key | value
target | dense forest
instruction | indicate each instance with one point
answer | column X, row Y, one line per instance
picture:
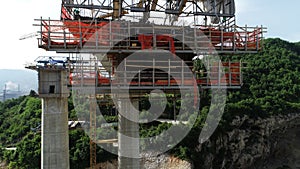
column 271, row 86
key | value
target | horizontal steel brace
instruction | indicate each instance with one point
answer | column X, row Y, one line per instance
column 88, row 6
column 213, row 14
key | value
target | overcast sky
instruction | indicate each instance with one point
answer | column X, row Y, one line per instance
column 280, row 17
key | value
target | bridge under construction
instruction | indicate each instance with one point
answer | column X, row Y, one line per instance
column 128, row 49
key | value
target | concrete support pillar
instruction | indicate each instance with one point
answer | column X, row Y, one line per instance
column 128, row 130
column 55, row 139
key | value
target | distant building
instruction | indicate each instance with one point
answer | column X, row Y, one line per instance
column 9, row 94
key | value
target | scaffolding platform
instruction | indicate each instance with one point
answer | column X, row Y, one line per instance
column 73, row 36
column 156, row 74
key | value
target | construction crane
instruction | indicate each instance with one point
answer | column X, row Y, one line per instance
column 30, row 35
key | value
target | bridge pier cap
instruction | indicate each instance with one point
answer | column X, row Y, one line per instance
column 53, row 83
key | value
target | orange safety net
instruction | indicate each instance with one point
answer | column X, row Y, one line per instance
column 231, row 73
column 73, row 32
column 82, row 29
column 87, row 79
column 104, row 30
column 254, row 38
column 240, row 38
column 215, row 35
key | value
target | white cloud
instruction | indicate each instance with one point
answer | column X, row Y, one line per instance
column 11, row 85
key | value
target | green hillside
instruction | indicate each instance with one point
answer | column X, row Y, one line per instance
column 271, row 81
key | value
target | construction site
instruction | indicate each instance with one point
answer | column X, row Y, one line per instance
column 118, row 52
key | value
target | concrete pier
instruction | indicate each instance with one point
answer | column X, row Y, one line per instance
column 128, row 130
column 55, row 139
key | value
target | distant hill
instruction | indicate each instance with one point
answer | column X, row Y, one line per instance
column 26, row 80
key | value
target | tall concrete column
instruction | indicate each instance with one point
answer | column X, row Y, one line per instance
column 128, row 130
column 55, row 139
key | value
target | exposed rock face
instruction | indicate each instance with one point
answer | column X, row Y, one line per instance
column 268, row 143
column 251, row 144
column 153, row 161
column 286, row 153
column 3, row 165
column 107, row 165
column 164, row 161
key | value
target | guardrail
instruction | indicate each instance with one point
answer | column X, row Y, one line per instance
column 154, row 73
column 73, row 35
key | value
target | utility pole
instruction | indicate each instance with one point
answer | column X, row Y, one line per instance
column 4, row 93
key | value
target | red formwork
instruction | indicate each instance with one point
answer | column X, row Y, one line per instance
column 161, row 40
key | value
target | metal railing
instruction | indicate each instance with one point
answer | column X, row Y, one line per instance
column 157, row 73
column 74, row 35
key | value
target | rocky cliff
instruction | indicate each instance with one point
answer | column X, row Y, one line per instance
column 254, row 143
column 269, row 143
column 153, row 161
